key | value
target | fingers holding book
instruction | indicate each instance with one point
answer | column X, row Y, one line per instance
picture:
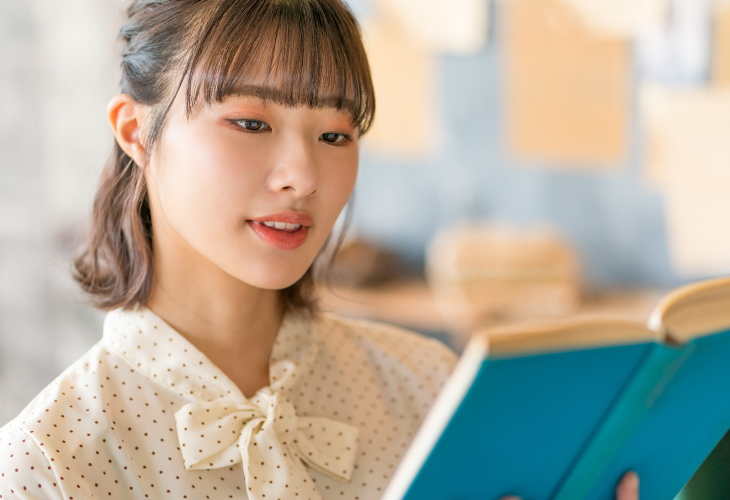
column 627, row 489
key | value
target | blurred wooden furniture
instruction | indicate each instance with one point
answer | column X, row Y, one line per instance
column 411, row 304
column 482, row 270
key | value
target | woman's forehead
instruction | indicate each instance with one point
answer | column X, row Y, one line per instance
column 293, row 53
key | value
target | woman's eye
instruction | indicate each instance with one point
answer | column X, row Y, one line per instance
column 252, row 125
column 334, row 138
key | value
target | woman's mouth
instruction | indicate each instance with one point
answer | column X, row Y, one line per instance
column 280, row 234
column 282, row 226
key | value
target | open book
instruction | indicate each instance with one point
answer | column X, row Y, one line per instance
column 561, row 410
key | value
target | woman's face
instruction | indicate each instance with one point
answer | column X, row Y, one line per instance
column 253, row 188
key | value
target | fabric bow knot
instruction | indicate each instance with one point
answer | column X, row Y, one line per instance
column 271, row 441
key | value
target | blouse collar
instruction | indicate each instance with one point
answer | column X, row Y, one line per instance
column 169, row 359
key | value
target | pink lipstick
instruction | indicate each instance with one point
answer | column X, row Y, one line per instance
column 284, row 230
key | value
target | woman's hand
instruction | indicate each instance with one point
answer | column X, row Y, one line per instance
column 627, row 489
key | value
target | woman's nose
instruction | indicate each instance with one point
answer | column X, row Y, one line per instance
column 296, row 171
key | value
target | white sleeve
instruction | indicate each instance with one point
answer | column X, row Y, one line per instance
column 25, row 472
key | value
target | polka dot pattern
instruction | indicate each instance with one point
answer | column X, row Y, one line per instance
column 106, row 427
column 270, row 440
column 25, row 472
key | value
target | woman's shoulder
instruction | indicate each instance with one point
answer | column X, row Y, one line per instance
column 24, row 468
column 76, row 391
column 28, row 442
column 74, row 379
column 388, row 337
column 388, row 345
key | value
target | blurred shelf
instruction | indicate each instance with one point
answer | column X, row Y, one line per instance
column 411, row 304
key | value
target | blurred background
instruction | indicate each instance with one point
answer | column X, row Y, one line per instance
column 530, row 159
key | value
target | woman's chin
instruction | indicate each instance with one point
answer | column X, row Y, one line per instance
column 272, row 279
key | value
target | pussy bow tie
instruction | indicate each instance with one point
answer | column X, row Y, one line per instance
column 271, row 441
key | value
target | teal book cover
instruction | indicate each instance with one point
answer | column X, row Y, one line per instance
column 560, row 411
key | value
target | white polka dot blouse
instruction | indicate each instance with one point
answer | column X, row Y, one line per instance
column 144, row 414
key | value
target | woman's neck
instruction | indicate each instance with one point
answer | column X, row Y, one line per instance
column 233, row 323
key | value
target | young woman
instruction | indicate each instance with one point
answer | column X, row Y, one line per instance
column 236, row 150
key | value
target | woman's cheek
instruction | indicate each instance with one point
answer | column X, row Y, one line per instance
column 201, row 188
column 344, row 176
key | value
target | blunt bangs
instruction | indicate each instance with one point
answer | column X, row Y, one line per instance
column 291, row 52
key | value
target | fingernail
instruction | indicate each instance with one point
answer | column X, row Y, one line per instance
column 632, row 480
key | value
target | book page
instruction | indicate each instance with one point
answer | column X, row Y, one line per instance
column 567, row 89
column 694, row 154
column 404, row 75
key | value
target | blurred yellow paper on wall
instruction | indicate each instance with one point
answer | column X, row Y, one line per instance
column 721, row 44
column 652, row 109
column 693, row 159
column 453, row 27
column 404, row 75
column 620, row 17
column 567, row 89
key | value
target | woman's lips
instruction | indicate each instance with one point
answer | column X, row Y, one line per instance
column 288, row 216
column 283, row 239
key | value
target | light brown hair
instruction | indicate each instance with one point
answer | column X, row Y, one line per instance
column 308, row 53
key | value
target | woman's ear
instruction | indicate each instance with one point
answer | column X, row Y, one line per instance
column 126, row 117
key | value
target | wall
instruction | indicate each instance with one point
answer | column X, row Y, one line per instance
column 615, row 219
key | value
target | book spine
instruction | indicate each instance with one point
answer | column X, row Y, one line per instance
column 635, row 401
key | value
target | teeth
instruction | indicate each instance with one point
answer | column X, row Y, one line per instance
column 282, row 225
